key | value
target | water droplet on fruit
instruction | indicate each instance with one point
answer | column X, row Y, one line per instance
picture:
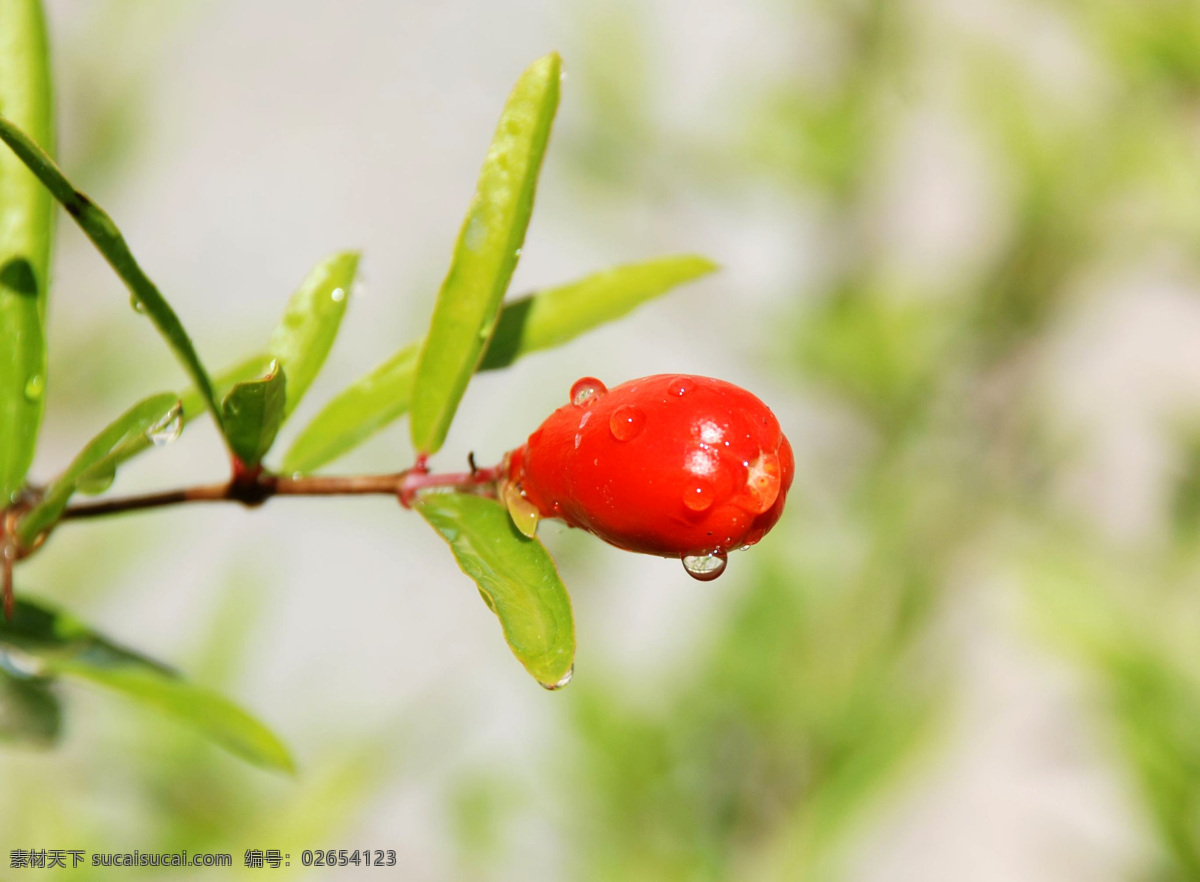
column 136, row 305
column 338, row 295
column 699, row 496
column 585, row 390
column 680, row 386
column 168, row 428
column 626, row 422
column 705, row 567
column 566, row 678
column 34, row 387
column 763, row 480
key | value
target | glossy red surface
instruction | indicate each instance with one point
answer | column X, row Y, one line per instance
column 671, row 464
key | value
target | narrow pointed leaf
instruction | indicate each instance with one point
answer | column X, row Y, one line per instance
column 30, row 712
column 516, row 577
column 192, row 402
column 253, row 413
column 355, row 414
column 41, row 642
column 552, row 317
column 27, row 224
column 485, row 255
column 99, row 227
column 99, row 459
column 536, row 321
column 305, row 334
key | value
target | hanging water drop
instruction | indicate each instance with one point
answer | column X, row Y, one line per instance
column 705, row 567
column 168, row 428
column 338, row 295
column 586, row 389
column 137, row 304
column 626, row 422
column 34, row 387
column 566, row 678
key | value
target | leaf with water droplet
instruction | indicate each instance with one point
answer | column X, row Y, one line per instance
column 191, row 402
column 528, row 324
column 34, row 387
column 524, row 514
column 98, row 459
column 27, row 219
column 98, row 478
column 253, row 412
column 305, row 334
column 103, row 233
column 486, row 253
column 167, row 429
column 515, row 574
column 60, row 646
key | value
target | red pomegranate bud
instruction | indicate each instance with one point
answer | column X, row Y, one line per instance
column 673, row 465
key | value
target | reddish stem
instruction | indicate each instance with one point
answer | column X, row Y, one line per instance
column 255, row 489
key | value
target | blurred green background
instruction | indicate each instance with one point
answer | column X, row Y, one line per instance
column 961, row 251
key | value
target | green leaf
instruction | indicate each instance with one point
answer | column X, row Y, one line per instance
column 253, row 413
column 192, row 402
column 41, row 642
column 27, row 225
column 552, row 317
column 99, row 459
column 516, row 577
column 305, row 334
column 485, row 256
column 355, row 414
column 99, row 227
column 29, row 712
column 537, row 321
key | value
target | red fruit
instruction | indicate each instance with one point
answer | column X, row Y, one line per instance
column 674, row 465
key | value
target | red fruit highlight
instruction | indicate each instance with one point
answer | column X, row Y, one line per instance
column 673, row 465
